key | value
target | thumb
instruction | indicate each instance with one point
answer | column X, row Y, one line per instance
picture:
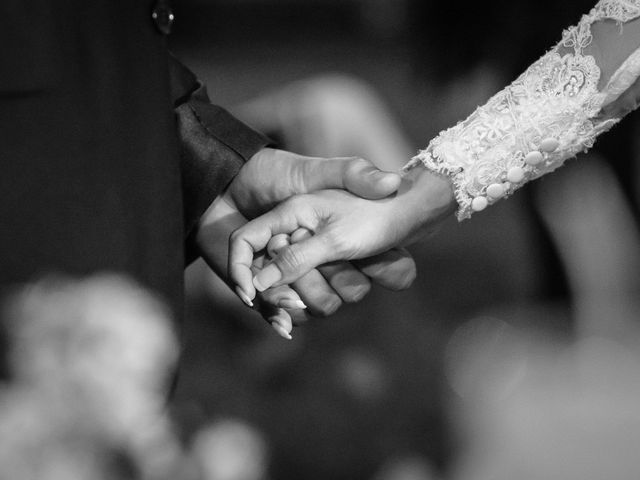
column 365, row 180
column 357, row 175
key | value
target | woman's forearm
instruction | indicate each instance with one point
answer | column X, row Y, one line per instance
column 556, row 109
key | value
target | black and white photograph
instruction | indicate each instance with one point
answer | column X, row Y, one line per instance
column 319, row 240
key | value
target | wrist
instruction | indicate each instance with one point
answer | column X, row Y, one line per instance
column 424, row 200
column 427, row 193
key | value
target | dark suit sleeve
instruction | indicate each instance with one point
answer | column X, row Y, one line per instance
column 214, row 145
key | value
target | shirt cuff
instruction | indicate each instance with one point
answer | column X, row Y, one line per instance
column 214, row 145
column 209, row 163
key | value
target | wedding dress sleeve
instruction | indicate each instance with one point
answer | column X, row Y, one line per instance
column 557, row 108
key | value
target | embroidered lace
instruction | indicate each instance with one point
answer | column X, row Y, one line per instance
column 553, row 111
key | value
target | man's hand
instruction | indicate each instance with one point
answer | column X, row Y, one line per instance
column 344, row 227
column 272, row 176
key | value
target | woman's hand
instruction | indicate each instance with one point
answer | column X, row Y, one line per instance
column 343, row 226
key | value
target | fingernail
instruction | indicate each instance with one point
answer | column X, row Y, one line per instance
column 267, row 277
column 292, row 304
column 244, row 297
column 280, row 330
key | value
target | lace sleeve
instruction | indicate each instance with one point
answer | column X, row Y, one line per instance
column 553, row 111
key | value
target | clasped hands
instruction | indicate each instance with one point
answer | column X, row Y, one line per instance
column 322, row 231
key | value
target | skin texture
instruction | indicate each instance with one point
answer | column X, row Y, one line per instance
column 271, row 177
column 345, row 227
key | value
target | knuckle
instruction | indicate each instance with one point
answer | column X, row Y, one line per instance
column 298, row 202
column 356, row 293
column 355, row 165
column 409, row 279
column 298, row 206
column 235, row 236
column 377, row 272
column 323, row 303
column 404, row 279
column 397, row 275
column 238, row 236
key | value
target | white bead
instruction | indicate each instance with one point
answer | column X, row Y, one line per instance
column 515, row 175
column 549, row 145
column 479, row 203
column 495, row 190
column 534, row 158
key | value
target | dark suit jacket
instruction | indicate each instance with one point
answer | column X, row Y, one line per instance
column 109, row 149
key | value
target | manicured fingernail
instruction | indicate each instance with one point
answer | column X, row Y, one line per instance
column 244, row 297
column 267, row 277
column 292, row 304
column 280, row 330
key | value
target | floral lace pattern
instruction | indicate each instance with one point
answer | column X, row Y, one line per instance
column 549, row 114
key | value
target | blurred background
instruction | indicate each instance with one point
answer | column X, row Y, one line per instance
column 365, row 394
column 515, row 354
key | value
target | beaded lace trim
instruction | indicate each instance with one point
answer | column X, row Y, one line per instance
column 549, row 114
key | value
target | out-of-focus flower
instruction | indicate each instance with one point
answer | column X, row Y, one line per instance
column 90, row 362
column 42, row 438
column 105, row 338
column 230, row 450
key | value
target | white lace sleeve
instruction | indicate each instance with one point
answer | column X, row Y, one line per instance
column 553, row 111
